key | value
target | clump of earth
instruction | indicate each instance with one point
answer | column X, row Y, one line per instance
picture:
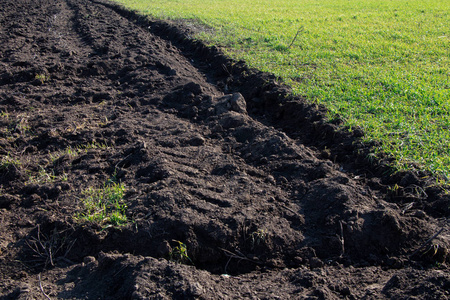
column 232, row 187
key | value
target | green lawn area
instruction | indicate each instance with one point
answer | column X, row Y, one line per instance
column 381, row 65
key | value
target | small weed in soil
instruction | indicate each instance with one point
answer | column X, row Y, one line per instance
column 4, row 115
column 76, row 150
column 42, row 78
column 8, row 161
column 43, row 176
column 179, row 254
column 258, row 237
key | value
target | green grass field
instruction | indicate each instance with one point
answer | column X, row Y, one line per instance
column 381, row 65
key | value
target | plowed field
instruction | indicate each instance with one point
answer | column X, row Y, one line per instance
column 232, row 188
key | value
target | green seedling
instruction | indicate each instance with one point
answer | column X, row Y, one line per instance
column 436, row 253
column 72, row 152
column 394, row 190
column 77, row 150
column 19, row 126
column 45, row 177
column 113, row 178
column 179, row 254
column 42, row 77
column 257, row 237
column 8, row 161
column 94, row 145
column 4, row 115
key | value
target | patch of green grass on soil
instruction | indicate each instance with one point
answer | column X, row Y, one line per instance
column 381, row 65
column 104, row 206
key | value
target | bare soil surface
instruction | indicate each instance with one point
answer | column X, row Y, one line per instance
column 233, row 187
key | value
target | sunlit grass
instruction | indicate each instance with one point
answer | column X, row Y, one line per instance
column 8, row 161
column 382, row 65
column 43, row 176
column 77, row 150
column 104, row 206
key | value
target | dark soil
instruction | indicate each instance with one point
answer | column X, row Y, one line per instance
column 269, row 199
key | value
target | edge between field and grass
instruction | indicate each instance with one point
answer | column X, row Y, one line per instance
column 381, row 66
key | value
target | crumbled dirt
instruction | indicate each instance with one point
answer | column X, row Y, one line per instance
column 269, row 199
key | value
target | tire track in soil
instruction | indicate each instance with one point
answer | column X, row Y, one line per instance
column 90, row 92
